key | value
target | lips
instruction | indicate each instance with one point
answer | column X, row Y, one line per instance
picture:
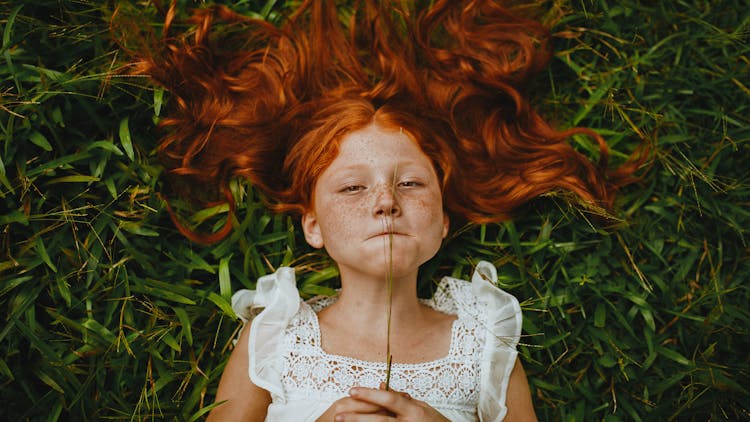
column 386, row 234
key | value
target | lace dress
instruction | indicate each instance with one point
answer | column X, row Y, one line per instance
column 468, row 384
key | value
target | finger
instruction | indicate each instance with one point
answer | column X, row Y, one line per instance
column 358, row 417
column 403, row 393
column 353, row 405
column 394, row 401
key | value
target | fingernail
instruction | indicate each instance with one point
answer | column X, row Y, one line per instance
column 353, row 392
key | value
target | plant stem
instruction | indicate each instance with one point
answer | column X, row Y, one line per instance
column 389, row 288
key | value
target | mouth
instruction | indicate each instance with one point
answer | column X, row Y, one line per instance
column 386, row 234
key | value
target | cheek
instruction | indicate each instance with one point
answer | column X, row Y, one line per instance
column 340, row 217
column 430, row 210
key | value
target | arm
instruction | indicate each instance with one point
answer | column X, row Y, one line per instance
column 518, row 400
column 244, row 400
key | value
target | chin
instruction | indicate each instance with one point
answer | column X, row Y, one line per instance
column 377, row 268
column 402, row 269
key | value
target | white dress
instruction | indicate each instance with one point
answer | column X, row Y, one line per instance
column 468, row 384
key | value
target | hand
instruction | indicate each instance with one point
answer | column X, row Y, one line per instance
column 400, row 407
column 350, row 405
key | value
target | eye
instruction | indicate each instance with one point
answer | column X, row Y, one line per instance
column 352, row 189
column 410, row 184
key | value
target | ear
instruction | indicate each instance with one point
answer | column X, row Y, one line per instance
column 311, row 228
column 446, row 224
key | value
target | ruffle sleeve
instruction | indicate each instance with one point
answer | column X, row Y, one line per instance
column 269, row 308
column 503, row 323
column 499, row 315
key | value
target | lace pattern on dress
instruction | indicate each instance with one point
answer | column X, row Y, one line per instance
column 451, row 382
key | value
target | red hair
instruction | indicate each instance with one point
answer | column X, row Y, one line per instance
column 271, row 104
column 319, row 145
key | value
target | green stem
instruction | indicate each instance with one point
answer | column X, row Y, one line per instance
column 389, row 287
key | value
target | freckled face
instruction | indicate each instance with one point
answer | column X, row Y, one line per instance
column 381, row 181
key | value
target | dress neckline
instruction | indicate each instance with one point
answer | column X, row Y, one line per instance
column 318, row 344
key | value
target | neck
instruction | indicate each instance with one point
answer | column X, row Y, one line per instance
column 364, row 299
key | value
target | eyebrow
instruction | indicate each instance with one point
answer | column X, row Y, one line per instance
column 399, row 165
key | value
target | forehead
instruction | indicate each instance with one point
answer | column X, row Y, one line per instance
column 375, row 144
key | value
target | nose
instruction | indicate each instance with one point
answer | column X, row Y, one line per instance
column 386, row 202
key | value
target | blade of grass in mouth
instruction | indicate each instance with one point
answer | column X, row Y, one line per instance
column 389, row 289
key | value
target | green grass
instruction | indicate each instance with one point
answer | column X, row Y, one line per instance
column 108, row 313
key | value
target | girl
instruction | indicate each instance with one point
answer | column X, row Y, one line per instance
column 377, row 209
column 379, row 132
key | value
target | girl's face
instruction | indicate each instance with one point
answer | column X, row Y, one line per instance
column 380, row 181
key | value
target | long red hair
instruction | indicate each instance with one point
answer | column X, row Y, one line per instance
column 271, row 104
